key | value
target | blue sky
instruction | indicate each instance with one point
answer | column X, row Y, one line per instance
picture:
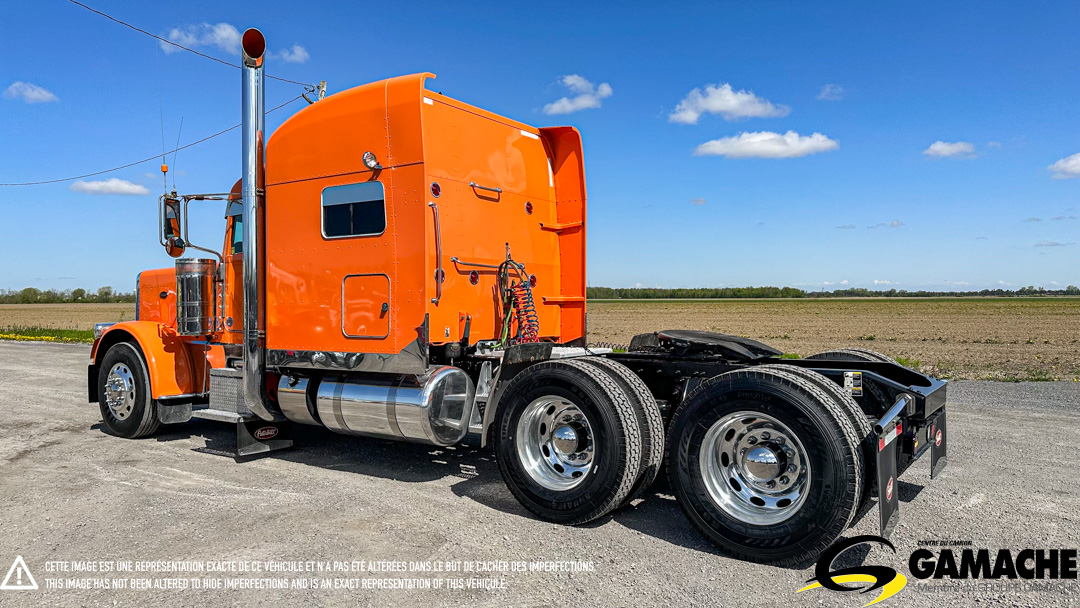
column 925, row 164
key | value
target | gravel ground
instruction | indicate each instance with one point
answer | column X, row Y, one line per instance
column 69, row 492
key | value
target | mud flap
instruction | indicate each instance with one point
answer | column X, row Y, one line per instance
column 257, row 436
column 888, row 490
column 938, row 437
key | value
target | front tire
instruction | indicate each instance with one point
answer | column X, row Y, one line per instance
column 124, row 393
column 567, row 441
column 765, row 465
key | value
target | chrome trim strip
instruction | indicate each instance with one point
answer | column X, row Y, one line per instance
column 184, row 396
column 411, row 360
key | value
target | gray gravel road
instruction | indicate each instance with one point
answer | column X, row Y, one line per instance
column 70, row 493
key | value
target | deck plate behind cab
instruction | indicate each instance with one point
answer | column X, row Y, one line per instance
column 687, row 341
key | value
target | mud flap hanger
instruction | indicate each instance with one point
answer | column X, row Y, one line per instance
column 888, row 429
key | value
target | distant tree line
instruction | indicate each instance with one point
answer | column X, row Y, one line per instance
column 650, row 293
column 33, row 295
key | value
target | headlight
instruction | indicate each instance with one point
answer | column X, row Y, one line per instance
column 99, row 328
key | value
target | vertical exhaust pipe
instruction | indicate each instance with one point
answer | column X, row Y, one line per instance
column 253, row 193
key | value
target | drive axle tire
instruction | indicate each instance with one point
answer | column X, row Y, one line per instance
column 766, row 465
column 124, row 393
column 853, row 354
column 863, row 424
column 650, row 421
column 567, row 441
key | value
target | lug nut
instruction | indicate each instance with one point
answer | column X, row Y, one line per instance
column 792, row 468
column 751, row 440
column 779, row 441
column 771, row 484
column 766, row 435
column 784, row 480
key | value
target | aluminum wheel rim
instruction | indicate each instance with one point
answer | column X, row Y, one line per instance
column 120, row 391
column 554, row 443
column 755, row 468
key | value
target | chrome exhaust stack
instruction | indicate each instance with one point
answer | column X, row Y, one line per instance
column 253, row 193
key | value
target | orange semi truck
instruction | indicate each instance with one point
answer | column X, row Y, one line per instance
column 402, row 265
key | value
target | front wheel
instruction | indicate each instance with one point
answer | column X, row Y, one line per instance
column 766, row 465
column 124, row 393
column 567, row 441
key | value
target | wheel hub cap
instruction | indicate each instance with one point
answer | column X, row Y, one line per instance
column 554, row 442
column 566, row 440
column 762, row 464
column 120, row 391
column 754, row 468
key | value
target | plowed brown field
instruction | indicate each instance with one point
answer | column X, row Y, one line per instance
column 975, row 338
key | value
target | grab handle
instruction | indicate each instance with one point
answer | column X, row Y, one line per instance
column 488, row 188
column 439, row 274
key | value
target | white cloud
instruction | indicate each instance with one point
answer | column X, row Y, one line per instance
column 831, row 92
column 766, row 144
column 109, row 186
column 882, row 282
column 1051, row 244
column 1066, row 168
column 222, row 35
column 697, row 201
column 587, row 96
column 892, row 224
column 296, row 54
column 846, row 227
column 725, row 101
column 993, row 144
column 945, row 149
column 844, row 282
column 30, row 93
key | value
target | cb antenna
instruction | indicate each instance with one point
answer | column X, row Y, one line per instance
column 176, row 151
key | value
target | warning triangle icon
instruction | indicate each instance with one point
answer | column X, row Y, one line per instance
column 19, row 577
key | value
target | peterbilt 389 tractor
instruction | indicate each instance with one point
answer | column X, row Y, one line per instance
column 401, row 265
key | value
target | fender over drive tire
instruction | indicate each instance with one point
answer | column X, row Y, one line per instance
column 745, row 438
column 567, row 441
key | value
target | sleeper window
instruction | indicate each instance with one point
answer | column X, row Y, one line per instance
column 353, row 210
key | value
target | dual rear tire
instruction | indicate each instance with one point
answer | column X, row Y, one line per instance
column 575, row 439
column 766, row 463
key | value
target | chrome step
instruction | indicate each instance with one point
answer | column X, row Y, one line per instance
column 220, row 415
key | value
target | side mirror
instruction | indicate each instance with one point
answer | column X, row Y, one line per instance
column 171, row 227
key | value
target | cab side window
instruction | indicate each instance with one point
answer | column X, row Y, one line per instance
column 353, row 210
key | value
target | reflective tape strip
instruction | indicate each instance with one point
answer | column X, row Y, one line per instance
column 888, row 438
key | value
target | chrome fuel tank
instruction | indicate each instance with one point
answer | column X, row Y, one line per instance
column 434, row 408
